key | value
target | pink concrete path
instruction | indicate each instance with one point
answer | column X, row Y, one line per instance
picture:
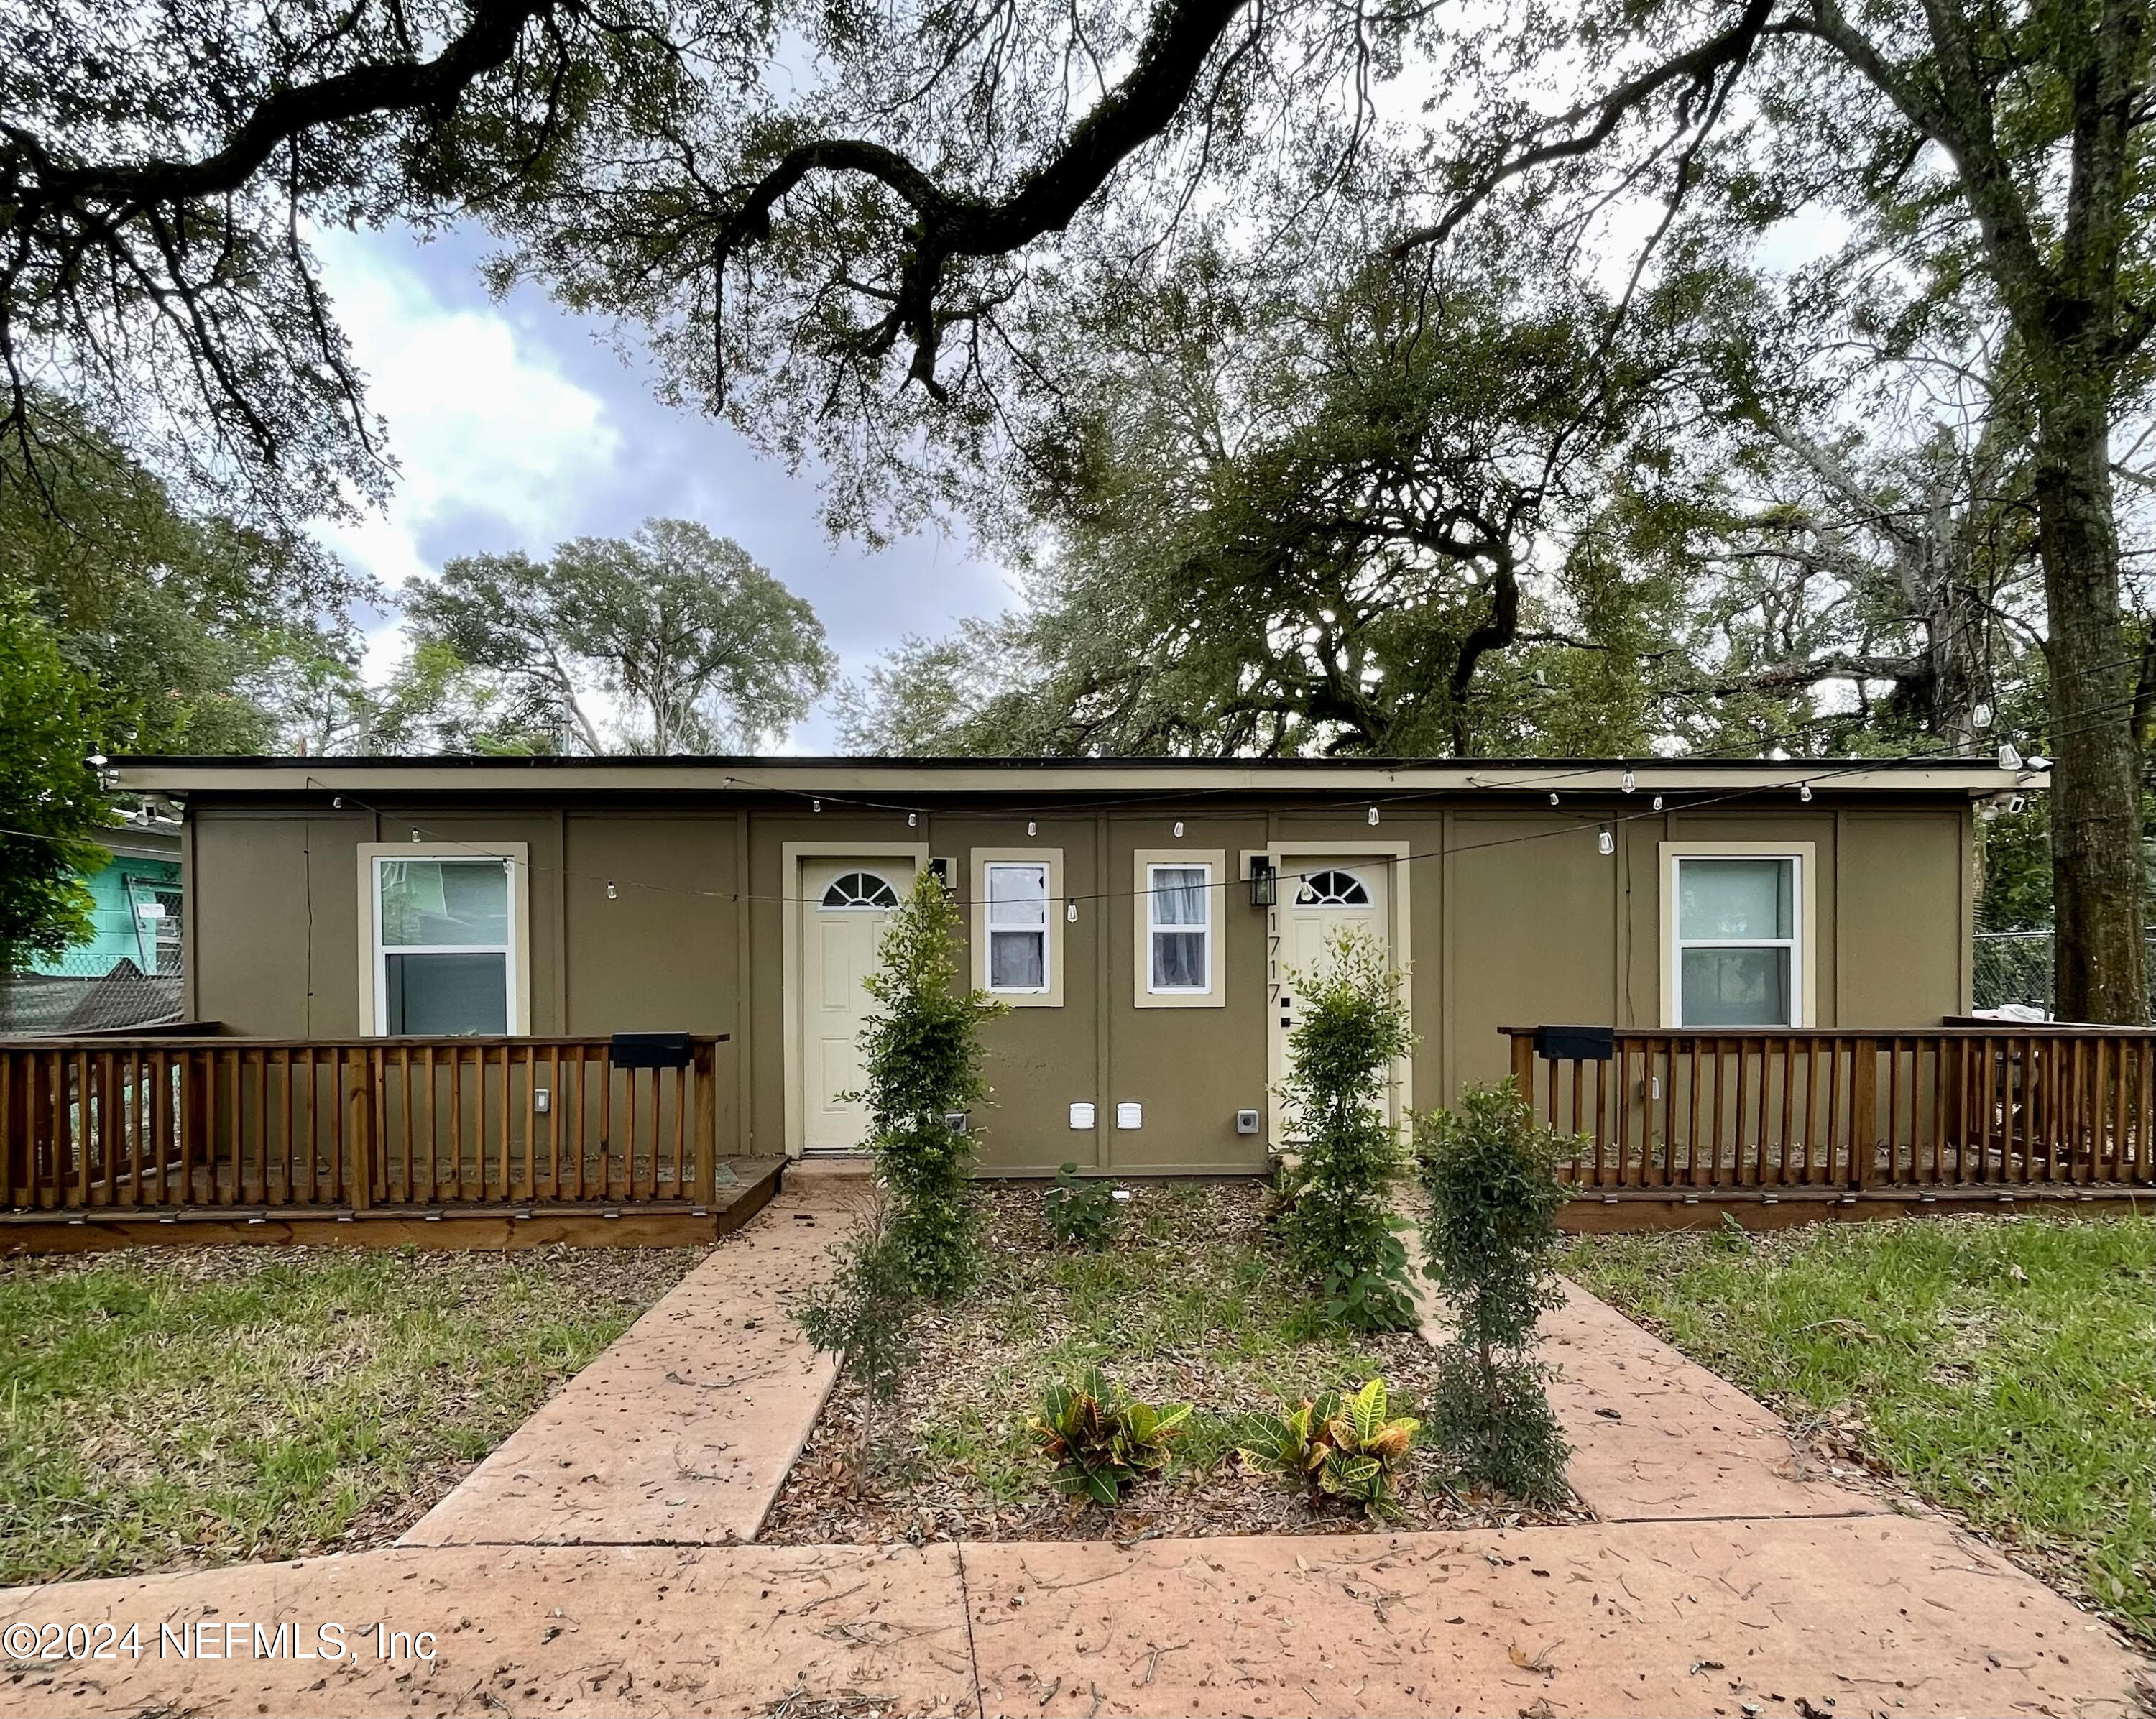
column 1721, row 1581
column 682, row 1432
column 1657, row 1437
column 1852, row 1616
column 1841, row 1616
column 522, row 1630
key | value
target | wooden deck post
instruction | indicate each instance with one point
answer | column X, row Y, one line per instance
column 360, row 1172
column 1863, row 1112
column 194, row 1123
column 705, row 1063
column 1524, row 1065
column 378, row 1132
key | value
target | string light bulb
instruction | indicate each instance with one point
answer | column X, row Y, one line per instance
column 913, row 820
column 1031, row 828
column 1805, row 792
column 1553, row 799
column 1070, row 910
column 612, row 893
column 1605, row 840
column 815, row 805
column 1178, row 829
column 1632, row 781
column 1373, row 815
column 1658, row 802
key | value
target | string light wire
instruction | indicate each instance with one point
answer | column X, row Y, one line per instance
column 1575, row 825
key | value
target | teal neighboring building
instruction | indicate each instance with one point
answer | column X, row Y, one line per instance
column 136, row 915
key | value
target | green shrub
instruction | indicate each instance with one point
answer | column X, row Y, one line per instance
column 1350, row 1447
column 922, row 1054
column 1491, row 1174
column 1080, row 1211
column 863, row 1315
column 1337, row 1210
column 1101, row 1441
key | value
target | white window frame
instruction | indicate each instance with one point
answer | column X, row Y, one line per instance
column 516, row 953
column 994, row 930
column 1802, row 942
column 1146, row 863
column 1049, row 994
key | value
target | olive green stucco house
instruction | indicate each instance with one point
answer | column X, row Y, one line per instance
column 1144, row 918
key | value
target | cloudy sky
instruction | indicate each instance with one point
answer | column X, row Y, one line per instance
column 517, row 426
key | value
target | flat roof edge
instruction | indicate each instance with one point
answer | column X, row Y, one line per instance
column 837, row 777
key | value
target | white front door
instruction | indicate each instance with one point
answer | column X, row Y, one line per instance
column 845, row 904
column 1318, row 897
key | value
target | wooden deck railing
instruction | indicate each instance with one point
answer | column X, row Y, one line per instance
column 1853, row 1110
column 160, row 1123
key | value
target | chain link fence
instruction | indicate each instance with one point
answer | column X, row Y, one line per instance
column 2015, row 967
column 89, row 993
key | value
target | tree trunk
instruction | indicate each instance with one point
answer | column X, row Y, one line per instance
column 2096, row 793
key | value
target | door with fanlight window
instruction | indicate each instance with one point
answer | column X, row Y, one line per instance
column 846, row 904
column 1318, row 897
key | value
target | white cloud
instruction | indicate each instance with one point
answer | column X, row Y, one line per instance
column 480, row 420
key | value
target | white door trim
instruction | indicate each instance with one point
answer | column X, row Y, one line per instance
column 791, row 854
column 1398, row 946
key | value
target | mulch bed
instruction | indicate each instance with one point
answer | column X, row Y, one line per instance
column 1191, row 1303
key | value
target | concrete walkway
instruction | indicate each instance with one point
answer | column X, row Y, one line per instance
column 595, row 1564
column 1880, row 1615
column 682, row 1432
column 1657, row 1437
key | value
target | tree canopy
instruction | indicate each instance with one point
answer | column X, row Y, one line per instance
column 696, row 648
column 50, row 803
column 1292, row 525
column 182, row 618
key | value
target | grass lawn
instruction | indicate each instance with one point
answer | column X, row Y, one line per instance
column 1191, row 1303
column 2003, row 1367
column 163, row 1410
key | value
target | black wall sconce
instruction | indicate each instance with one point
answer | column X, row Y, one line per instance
column 1265, row 882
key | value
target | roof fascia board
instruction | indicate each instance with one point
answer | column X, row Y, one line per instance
column 286, row 778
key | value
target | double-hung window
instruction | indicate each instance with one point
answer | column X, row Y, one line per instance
column 1175, row 917
column 444, row 961
column 1018, row 927
column 1736, row 945
column 1179, row 929
column 1018, row 918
